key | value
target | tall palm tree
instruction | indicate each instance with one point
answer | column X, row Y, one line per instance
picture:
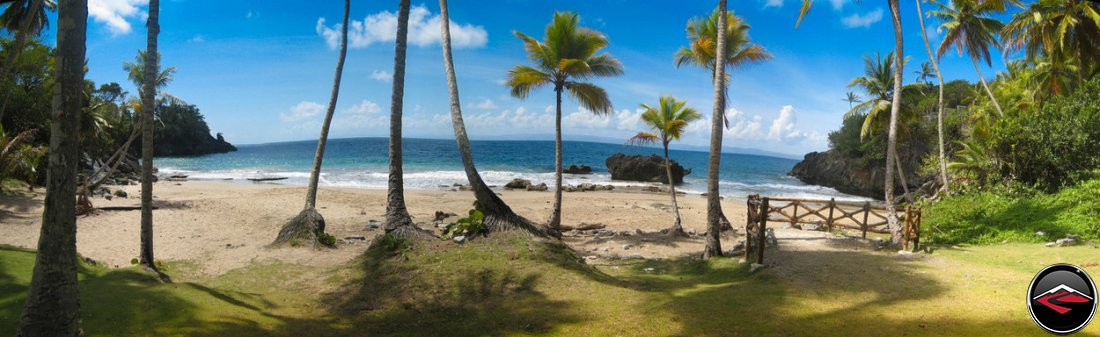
column 398, row 221
column 498, row 216
column 970, row 28
column 924, row 72
column 135, row 71
column 878, row 75
column 852, row 98
column 939, row 107
column 565, row 58
column 52, row 307
column 1057, row 28
column 713, row 245
column 309, row 224
column 148, row 97
column 669, row 120
column 702, row 50
column 23, row 18
column 895, row 106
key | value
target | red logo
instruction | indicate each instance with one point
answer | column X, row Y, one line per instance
column 1062, row 294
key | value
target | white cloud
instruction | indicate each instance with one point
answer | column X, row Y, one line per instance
column 424, row 30
column 486, row 104
column 838, row 4
column 783, row 126
column 622, row 120
column 197, row 39
column 773, row 3
column 115, row 13
column 742, row 127
column 862, row 20
column 302, row 111
column 381, row 75
column 365, row 107
column 364, row 114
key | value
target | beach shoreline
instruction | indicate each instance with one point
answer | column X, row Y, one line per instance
column 223, row 225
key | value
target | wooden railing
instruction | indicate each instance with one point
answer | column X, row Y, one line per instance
column 860, row 216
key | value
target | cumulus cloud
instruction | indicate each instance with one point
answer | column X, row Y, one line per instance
column 364, row 114
column 365, row 107
column 116, row 13
column 862, row 20
column 622, row 120
column 486, row 104
column 773, row 3
column 381, row 75
column 423, row 30
column 838, row 4
column 302, row 111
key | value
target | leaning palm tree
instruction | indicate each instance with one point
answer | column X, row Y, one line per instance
column 939, row 107
column 22, row 18
column 720, row 36
column 852, row 98
column 970, row 28
column 668, row 120
column 398, row 221
column 565, row 58
column 148, row 97
column 895, row 106
column 52, row 307
column 309, row 225
column 498, row 216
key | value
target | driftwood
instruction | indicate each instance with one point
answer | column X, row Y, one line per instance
column 123, row 208
column 267, row 179
column 582, row 227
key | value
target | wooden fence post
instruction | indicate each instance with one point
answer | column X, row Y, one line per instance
column 762, row 232
column 916, row 231
column 908, row 227
column 866, row 212
column 794, row 216
column 829, row 221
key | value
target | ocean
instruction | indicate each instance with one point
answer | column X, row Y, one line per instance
column 434, row 164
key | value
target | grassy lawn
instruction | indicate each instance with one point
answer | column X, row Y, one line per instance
column 511, row 285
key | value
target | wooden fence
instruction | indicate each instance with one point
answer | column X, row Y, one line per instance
column 861, row 216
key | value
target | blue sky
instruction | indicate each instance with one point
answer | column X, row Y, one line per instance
column 261, row 71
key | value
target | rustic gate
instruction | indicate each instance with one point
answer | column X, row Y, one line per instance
column 860, row 216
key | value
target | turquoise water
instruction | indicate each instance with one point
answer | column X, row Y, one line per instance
column 431, row 164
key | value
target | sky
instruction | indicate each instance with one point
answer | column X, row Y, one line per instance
column 261, row 71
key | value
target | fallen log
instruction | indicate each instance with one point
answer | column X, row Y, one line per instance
column 267, row 179
column 122, row 208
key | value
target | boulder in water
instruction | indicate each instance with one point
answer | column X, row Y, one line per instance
column 644, row 168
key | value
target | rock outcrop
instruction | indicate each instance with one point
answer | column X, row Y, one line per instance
column 643, row 168
column 831, row 170
column 574, row 169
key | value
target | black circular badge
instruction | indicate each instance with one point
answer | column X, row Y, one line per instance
column 1062, row 299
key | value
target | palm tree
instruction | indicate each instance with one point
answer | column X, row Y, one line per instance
column 851, row 98
column 969, row 28
column 308, row 225
column 148, row 96
column 713, row 245
column 668, row 120
column 939, row 107
column 498, row 216
column 22, row 18
column 1057, row 28
column 398, row 221
column 924, row 72
column 895, row 106
column 878, row 75
column 135, row 71
column 565, row 59
column 52, row 307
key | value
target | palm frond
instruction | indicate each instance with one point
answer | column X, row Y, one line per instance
column 590, row 97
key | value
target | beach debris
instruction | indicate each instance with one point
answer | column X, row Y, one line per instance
column 1069, row 240
column 374, row 224
column 440, row 215
column 649, row 269
column 584, row 226
column 627, row 246
column 756, row 266
column 811, row 227
column 121, row 194
column 460, row 239
column 267, row 179
column 770, row 239
column 574, row 169
column 1040, row 233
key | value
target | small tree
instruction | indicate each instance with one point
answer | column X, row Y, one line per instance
column 669, row 120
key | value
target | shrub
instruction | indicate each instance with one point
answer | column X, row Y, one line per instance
column 471, row 225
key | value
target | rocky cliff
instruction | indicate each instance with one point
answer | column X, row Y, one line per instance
column 832, row 170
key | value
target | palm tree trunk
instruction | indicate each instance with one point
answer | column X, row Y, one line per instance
column 904, row 182
column 677, row 229
column 891, row 141
column 555, row 214
column 498, row 216
column 318, row 157
column 52, row 307
column 939, row 113
column 398, row 221
column 20, row 41
column 149, row 95
column 1000, row 113
column 714, row 206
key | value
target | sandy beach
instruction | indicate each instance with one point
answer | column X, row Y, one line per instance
column 226, row 225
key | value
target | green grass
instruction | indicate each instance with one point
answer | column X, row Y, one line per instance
column 511, row 285
column 998, row 216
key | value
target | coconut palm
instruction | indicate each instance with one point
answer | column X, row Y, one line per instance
column 878, row 74
column 668, row 120
column 713, row 246
column 969, row 28
column 939, row 107
column 851, row 98
column 567, row 57
column 398, row 221
column 148, row 96
column 924, row 72
column 1057, row 28
column 52, row 307
column 309, row 225
column 18, row 158
column 135, row 71
column 497, row 215
column 23, row 18
column 895, row 106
